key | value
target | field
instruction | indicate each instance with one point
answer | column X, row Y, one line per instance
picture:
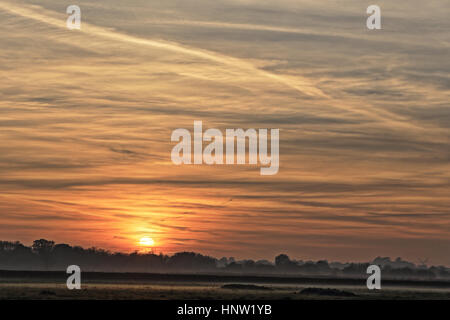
column 51, row 285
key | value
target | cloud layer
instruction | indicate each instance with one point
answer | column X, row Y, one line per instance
column 86, row 118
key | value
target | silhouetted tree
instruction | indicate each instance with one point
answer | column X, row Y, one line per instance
column 43, row 248
column 282, row 260
column 45, row 254
column 283, row 263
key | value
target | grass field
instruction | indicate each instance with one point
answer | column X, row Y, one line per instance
column 51, row 285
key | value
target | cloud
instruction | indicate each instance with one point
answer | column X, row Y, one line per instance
column 86, row 120
column 303, row 86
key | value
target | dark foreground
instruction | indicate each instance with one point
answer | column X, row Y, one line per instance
column 25, row 285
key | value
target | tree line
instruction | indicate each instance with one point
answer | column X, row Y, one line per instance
column 46, row 255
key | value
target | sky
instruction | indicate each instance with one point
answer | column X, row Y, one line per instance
column 86, row 118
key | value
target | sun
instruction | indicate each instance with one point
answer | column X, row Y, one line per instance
column 146, row 242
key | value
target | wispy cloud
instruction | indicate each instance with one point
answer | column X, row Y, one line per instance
column 86, row 118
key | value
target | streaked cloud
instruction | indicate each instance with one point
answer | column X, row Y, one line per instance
column 86, row 118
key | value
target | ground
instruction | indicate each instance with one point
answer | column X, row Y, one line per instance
column 53, row 286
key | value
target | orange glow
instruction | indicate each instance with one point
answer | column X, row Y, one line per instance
column 146, row 242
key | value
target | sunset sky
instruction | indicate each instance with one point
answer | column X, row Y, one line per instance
column 86, row 118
